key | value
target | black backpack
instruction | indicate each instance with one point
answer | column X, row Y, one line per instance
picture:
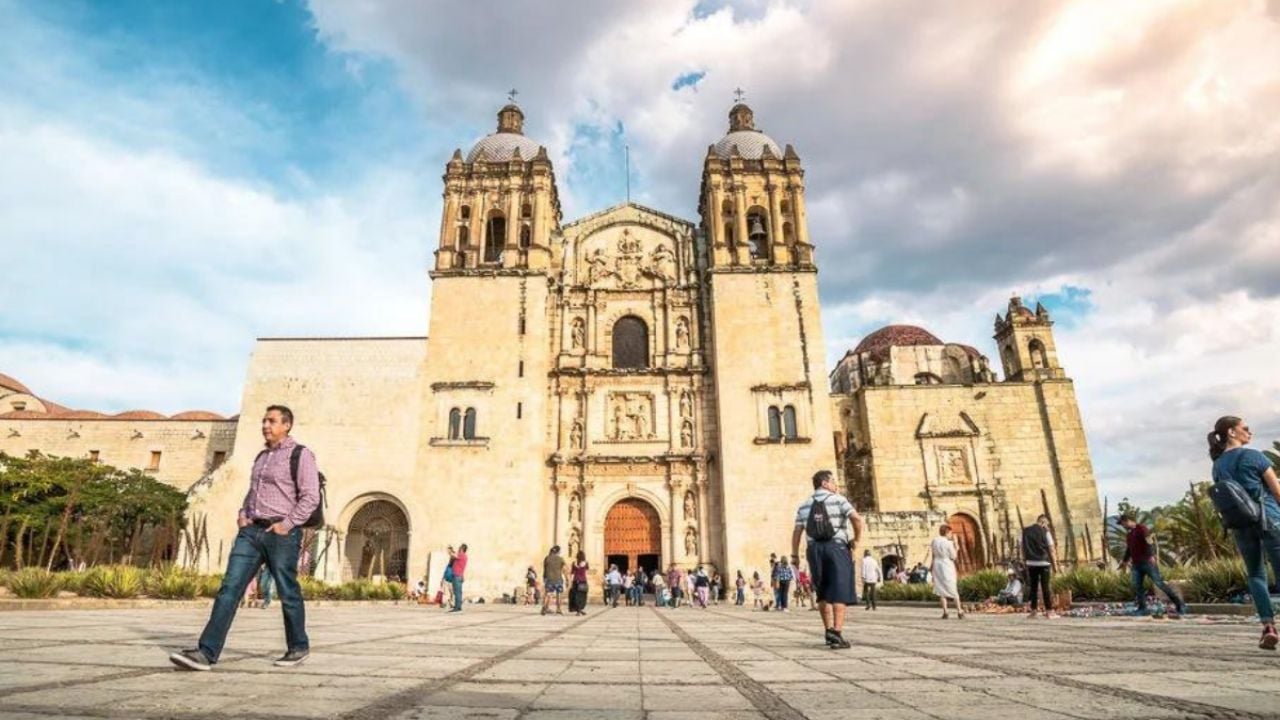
column 819, row 527
column 317, row 516
column 1237, row 507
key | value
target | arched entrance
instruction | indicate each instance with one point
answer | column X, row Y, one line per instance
column 633, row 536
column 377, row 542
column 968, row 543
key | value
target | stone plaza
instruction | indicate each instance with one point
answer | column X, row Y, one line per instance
column 503, row 662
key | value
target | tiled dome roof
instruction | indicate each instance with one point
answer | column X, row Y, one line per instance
column 751, row 145
column 13, row 384
column 80, row 415
column 969, row 350
column 139, row 415
column 879, row 342
column 197, row 415
column 23, row 415
column 500, row 147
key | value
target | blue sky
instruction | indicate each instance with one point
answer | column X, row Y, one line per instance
column 182, row 177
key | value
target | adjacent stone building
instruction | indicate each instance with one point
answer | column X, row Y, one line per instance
column 649, row 390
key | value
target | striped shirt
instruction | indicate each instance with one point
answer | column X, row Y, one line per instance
column 838, row 508
column 272, row 494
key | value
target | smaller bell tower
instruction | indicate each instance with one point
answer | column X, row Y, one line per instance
column 500, row 202
column 1027, row 348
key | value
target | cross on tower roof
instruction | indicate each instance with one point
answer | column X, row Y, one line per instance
column 511, row 95
column 738, row 94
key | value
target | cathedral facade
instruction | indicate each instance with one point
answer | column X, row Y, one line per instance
column 651, row 391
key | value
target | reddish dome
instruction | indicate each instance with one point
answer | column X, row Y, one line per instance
column 23, row 415
column 969, row 350
column 80, row 415
column 13, row 384
column 197, row 415
column 879, row 342
column 139, row 415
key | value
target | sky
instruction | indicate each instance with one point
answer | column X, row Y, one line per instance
column 180, row 178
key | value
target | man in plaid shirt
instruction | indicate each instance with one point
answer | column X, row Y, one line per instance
column 270, row 520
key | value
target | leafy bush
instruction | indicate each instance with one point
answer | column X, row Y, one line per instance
column 73, row 580
column 395, row 591
column 312, row 589
column 981, row 585
column 34, row 583
column 1090, row 583
column 4, row 577
column 114, row 581
column 209, row 586
column 1215, row 581
column 173, row 583
column 905, row 591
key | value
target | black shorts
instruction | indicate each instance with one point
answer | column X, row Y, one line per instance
column 831, row 567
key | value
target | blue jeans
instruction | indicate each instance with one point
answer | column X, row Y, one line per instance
column 264, row 585
column 456, row 582
column 1253, row 543
column 780, row 595
column 254, row 547
column 1142, row 570
column 741, row 597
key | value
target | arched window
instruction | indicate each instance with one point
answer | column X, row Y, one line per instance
column 775, row 423
column 785, row 207
column 464, row 235
column 789, row 422
column 464, row 212
column 495, row 236
column 469, row 424
column 758, row 233
column 726, row 207
column 526, row 236
column 1038, row 357
column 526, row 211
column 455, row 424
column 630, row 343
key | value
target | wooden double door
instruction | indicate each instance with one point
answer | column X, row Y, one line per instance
column 633, row 536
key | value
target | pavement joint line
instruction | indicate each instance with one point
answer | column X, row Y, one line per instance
column 762, row 698
column 1180, row 705
column 416, row 696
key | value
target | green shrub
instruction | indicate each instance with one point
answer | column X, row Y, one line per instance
column 905, row 591
column 73, row 580
column 34, row 583
column 334, row 592
column 312, row 589
column 1091, row 584
column 1215, row 581
column 173, row 583
column 4, row 577
column 209, row 585
column 981, row 585
column 114, row 581
column 395, row 591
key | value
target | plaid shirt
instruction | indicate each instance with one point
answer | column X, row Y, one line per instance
column 271, row 490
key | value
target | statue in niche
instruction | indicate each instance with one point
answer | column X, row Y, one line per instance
column 664, row 262
column 691, row 542
column 575, row 543
column 597, row 267
column 577, row 334
column 682, row 334
column 575, row 436
column 686, row 405
column 689, row 506
column 619, row 412
column 686, row 434
column 639, row 415
column 575, row 508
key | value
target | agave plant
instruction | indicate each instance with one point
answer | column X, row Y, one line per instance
column 34, row 583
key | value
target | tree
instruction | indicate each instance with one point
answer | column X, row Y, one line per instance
column 1192, row 529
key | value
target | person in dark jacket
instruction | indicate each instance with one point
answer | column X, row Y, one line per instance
column 1039, row 556
column 1141, row 558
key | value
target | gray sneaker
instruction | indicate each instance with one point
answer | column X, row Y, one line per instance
column 191, row 659
column 291, row 658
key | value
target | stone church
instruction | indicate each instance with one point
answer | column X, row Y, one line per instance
column 650, row 390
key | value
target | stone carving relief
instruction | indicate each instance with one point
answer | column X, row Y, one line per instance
column 686, row 404
column 575, row 542
column 577, row 334
column 575, row 436
column 686, row 434
column 682, row 334
column 953, row 465
column 631, row 416
column 629, row 266
column 691, row 542
column 575, row 508
column 690, row 506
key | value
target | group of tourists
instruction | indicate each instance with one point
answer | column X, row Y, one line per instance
column 285, row 492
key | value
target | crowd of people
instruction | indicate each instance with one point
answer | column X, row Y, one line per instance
column 286, row 488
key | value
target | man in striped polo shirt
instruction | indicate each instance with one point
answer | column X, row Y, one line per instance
column 824, row 519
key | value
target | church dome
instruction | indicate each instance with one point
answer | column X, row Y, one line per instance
column 879, row 342
column 13, row 384
column 502, row 145
column 750, row 142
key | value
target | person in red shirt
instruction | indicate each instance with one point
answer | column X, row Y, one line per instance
column 458, row 563
column 1141, row 558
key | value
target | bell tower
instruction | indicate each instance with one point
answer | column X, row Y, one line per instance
column 766, row 347
column 500, row 202
column 1027, row 348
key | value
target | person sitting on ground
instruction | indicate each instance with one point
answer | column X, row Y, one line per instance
column 1012, row 592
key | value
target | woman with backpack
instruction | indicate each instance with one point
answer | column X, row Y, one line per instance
column 1256, row 529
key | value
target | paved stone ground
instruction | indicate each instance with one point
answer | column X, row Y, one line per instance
column 507, row 662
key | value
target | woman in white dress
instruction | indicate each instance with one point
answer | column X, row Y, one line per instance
column 942, row 565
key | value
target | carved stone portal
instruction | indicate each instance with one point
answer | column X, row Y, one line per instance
column 631, row 416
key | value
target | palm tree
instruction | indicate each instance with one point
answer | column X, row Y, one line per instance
column 1192, row 528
